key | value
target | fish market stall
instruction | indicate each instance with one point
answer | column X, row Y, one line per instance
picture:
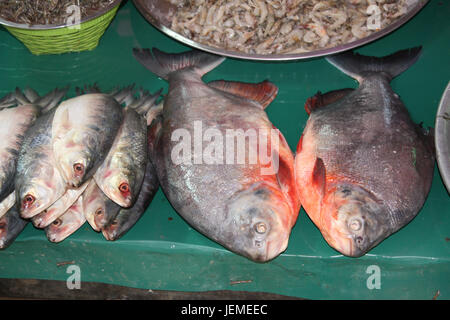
column 163, row 252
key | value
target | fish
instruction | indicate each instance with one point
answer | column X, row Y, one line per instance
column 37, row 182
column 127, row 217
column 17, row 116
column 240, row 206
column 67, row 224
column 11, row 225
column 121, row 174
column 363, row 167
column 98, row 209
column 83, row 131
column 7, row 203
column 58, row 208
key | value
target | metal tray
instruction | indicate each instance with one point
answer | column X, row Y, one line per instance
column 159, row 13
column 442, row 137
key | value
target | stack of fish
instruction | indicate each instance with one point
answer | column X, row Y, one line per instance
column 84, row 160
column 362, row 169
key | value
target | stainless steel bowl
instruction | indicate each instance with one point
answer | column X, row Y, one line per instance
column 159, row 13
column 442, row 137
column 57, row 26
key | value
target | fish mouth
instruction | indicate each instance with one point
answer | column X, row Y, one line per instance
column 28, row 213
column 110, row 236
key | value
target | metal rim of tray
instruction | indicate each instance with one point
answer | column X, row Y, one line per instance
column 57, row 26
column 442, row 137
column 140, row 4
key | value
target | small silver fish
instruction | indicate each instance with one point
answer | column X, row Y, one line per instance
column 15, row 121
column 121, row 174
column 98, row 209
column 11, row 225
column 127, row 218
column 58, row 208
column 38, row 182
column 83, row 131
column 66, row 224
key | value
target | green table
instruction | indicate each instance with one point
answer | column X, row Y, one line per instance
column 162, row 252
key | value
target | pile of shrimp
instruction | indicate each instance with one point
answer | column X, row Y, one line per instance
column 283, row 26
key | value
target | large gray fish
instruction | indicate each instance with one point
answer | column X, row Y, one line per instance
column 363, row 168
column 238, row 205
column 83, row 131
column 127, row 217
column 15, row 121
column 11, row 225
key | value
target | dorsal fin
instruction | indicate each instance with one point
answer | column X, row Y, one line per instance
column 263, row 92
column 323, row 99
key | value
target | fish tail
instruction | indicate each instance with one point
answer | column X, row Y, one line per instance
column 145, row 102
column 163, row 64
column 51, row 99
column 357, row 66
column 125, row 95
column 7, row 101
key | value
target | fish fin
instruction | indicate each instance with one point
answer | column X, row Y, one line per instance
column 125, row 95
column 51, row 99
column 153, row 134
column 154, row 112
column 163, row 64
column 323, row 99
column 319, row 176
column 145, row 102
column 31, row 94
column 263, row 92
column 20, row 97
column 427, row 136
column 356, row 65
column 285, row 173
column 299, row 145
column 8, row 101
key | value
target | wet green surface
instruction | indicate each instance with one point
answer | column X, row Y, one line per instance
column 163, row 252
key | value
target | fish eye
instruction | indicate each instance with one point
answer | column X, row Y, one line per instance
column 355, row 225
column 28, row 200
column 260, row 227
column 78, row 168
column 99, row 211
column 114, row 222
column 124, row 187
column 57, row 222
